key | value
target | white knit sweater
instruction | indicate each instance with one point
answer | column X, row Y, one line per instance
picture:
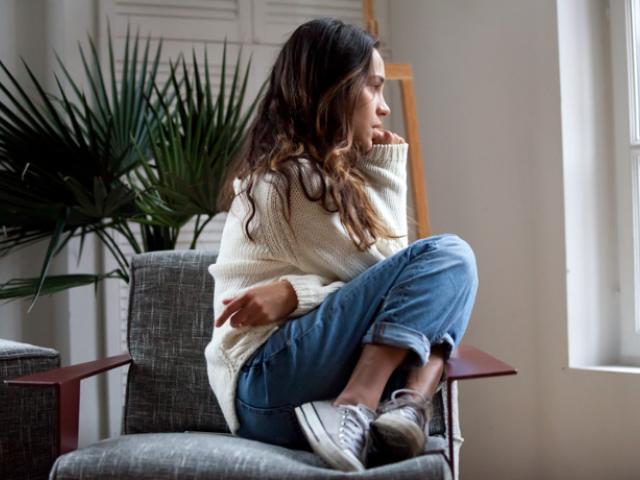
column 317, row 260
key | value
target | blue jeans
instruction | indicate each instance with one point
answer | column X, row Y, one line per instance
column 420, row 296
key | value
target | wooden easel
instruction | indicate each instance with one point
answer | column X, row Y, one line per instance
column 404, row 74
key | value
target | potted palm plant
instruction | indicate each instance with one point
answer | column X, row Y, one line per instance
column 129, row 153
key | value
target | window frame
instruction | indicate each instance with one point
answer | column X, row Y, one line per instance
column 625, row 61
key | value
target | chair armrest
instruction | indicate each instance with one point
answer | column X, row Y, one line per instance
column 467, row 362
column 58, row 376
column 66, row 381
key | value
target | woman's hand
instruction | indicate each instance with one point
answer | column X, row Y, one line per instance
column 382, row 136
column 260, row 305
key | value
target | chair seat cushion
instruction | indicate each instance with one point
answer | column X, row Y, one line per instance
column 197, row 455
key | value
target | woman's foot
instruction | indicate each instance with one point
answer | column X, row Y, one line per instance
column 338, row 434
column 400, row 430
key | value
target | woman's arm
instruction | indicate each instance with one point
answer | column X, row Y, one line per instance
column 385, row 169
column 276, row 247
column 311, row 290
column 314, row 241
column 317, row 242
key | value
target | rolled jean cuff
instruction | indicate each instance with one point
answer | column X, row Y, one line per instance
column 394, row 334
column 448, row 343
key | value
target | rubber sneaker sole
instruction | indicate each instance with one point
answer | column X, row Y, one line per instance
column 397, row 438
column 322, row 444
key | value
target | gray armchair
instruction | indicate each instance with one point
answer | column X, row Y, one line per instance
column 172, row 426
column 28, row 417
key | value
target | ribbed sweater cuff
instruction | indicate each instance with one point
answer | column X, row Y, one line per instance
column 308, row 291
column 387, row 154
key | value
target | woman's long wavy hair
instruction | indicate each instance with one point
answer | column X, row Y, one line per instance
column 307, row 111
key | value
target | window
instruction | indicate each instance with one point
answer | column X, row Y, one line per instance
column 625, row 60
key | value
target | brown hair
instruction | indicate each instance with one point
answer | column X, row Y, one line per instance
column 307, row 111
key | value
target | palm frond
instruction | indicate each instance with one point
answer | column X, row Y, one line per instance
column 78, row 162
column 193, row 145
column 63, row 157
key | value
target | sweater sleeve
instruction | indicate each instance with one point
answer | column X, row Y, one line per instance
column 385, row 168
column 311, row 285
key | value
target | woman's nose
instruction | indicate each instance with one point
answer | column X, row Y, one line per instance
column 383, row 109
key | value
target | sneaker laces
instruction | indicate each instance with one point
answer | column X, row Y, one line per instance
column 354, row 424
column 417, row 411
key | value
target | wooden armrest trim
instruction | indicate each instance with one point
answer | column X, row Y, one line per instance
column 469, row 362
column 58, row 376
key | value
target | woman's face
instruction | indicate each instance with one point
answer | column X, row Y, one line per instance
column 370, row 107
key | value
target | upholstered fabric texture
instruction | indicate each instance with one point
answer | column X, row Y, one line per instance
column 170, row 324
column 28, row 416
column 220, row 456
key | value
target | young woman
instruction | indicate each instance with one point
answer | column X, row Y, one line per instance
column 322, row 308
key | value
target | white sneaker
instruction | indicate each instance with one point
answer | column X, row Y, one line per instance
column 339, row 435
column 400, row 430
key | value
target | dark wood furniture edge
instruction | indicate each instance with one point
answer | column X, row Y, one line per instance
column 66, row 381
column 468, row 362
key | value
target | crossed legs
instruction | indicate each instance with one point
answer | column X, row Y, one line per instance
column 348, row 435
column 374, row 368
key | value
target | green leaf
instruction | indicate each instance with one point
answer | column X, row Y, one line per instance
column 26, row 287
column 53, row 243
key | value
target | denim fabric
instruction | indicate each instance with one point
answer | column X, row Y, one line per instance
column 421, row 296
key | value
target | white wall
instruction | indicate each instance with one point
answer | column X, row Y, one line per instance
column 488, row 79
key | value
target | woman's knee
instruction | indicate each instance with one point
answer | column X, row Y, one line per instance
column 463, row 260
column 456, row 253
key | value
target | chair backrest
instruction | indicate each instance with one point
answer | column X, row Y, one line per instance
column 170, row 322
